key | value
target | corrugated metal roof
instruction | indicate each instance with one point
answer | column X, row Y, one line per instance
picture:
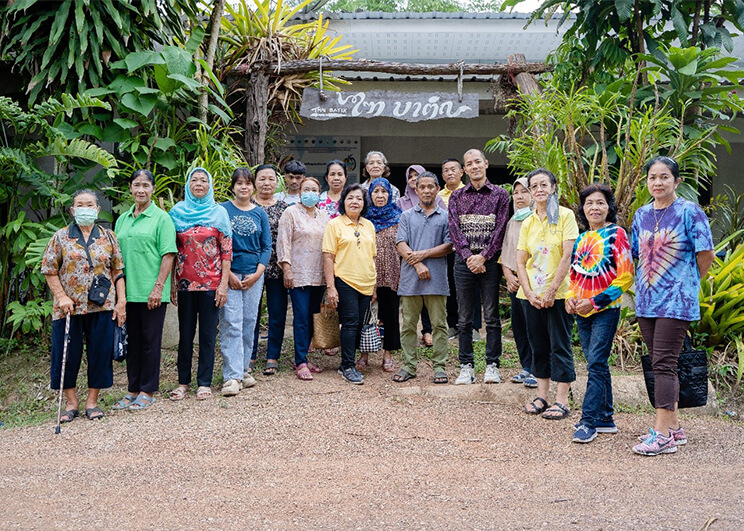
column 433, row 15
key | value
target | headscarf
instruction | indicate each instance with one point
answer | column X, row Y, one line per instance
column 388, row 215
column 522, row 213
column 410, row 199
column 192, row 211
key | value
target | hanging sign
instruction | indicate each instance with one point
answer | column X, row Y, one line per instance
column 411, row 107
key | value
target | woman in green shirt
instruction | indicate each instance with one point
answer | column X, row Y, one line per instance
column 148, row 243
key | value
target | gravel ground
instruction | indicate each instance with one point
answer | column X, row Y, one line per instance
column 328, row 455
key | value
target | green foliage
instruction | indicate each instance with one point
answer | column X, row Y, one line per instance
column 28, row 317
column 722, row 299
column 69, row 45
column 727, row 213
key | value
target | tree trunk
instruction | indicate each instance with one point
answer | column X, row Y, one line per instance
column 256, row 116
column 525, row 81
column 214, row 35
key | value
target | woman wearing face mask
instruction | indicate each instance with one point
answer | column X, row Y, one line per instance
column 410, row 200
column 251, row 252
column 349, row 251
column 202, row 271
column 376, row 166
column 148, row 244
column 335, row 176
column 276, row 293
column 522, row 209
column 299, row 250
column 76, row 256
column 384, row 215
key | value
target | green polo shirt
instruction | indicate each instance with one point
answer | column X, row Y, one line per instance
column 144, row 240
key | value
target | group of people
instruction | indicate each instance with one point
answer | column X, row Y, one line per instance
column 436, row 252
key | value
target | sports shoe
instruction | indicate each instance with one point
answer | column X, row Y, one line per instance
column 351, row 375
column 521, row 377
column 530, row 382
column 656, row 444
column 492, row 374
column 584, row 434
column 248, row 380
column 605, row 426
column 231, row 388
column 467, row 375
column 679, row 436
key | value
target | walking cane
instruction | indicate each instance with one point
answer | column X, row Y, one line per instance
column 62, row 374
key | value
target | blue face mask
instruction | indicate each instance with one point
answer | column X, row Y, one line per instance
column 310, row 199
column 85, row 216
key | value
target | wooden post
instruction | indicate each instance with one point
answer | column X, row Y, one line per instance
column 256, row 116
column 526, row 82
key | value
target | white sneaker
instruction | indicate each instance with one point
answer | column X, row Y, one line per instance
column 492, row 374
column 467, row 375
column 248, row 380
column 231, row 388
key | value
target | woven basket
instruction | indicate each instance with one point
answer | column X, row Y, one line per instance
column 326, row 330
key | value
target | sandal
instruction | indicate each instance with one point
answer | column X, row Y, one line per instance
column 179, row 393
column 271, row 368
column 203, row 392
column 314, row 368
column 426, row 338
column 387, row 364
column 94, row 413
column 124, row 403
column 303, row 372
column 440, row 377
column 363, row 362
column 536, row 409
column 142, row 402
column 403, row 376
column 330, row 351
column 559, row 408
column 68, row 415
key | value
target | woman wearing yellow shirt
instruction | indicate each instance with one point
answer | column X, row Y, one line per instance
column 349, row 250
column 543, row 259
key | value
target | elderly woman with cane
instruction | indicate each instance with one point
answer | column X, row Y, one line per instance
column 83, row 267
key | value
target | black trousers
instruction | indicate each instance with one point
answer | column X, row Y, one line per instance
column 388, row 304
column 193, row 307
column 519, row 329
column 96, row 331
column 145, row 334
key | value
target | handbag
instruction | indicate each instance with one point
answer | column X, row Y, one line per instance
column 120, row 342
column 692, row 371
column 370, row 340
column 326, row 329
column 101, row 285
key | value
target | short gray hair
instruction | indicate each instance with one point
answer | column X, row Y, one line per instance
column 84, row 191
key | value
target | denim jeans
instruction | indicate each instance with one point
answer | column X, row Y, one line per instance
column 237, row 325
column 352, row 307
column 276, row 302
column 305, row 302
column 596, row 333
column 196, row 306
column 452, row 310
column 519, row 329
column 468, row 285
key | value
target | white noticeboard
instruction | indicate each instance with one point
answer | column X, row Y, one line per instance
column 316, row 151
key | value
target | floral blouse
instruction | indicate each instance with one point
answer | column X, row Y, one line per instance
column 65, row 257
column 274, row 212
column 328, row 205
column 387, row 261
column 201, row 251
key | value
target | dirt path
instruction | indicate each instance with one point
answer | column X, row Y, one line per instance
column 327, row 455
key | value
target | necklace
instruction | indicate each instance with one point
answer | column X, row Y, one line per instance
column 658, row 221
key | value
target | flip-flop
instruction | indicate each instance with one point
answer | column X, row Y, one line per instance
column 93, row 413
column 556, row 407
column 388, row 365
column 124, row 403
column 179, row 393
column 271, row 368
column 403, row 376
column 536, row 410
column 142, row 402
column 303, row 372
column 68, row 415
column 203, row 392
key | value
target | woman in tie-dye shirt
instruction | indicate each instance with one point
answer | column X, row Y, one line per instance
column 601, row 270
column 674, row 247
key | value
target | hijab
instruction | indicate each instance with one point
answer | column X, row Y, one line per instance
column 410, row 199
column 388, row 215
column 192, row 211
column 522, row 213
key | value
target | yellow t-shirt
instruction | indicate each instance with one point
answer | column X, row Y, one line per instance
column 445, row 193
column 355, row 255
column 544, row 245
